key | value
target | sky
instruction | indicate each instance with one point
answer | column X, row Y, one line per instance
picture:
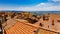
column 30, row 5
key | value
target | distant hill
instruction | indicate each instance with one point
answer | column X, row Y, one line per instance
column 44, row 12
column 37, row 12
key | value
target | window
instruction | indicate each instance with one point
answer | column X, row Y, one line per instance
column 53, row 22
column 45, row 18
column 41, row 24
column 48, row 26
column 58, row 20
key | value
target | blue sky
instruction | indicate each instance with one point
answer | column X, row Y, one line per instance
column 22, row 2
column 14, row 2
column 30, row 5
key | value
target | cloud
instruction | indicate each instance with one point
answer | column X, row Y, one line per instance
column 41, row 7
column 55, row 0
column 51, row 8
column 38, row 7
